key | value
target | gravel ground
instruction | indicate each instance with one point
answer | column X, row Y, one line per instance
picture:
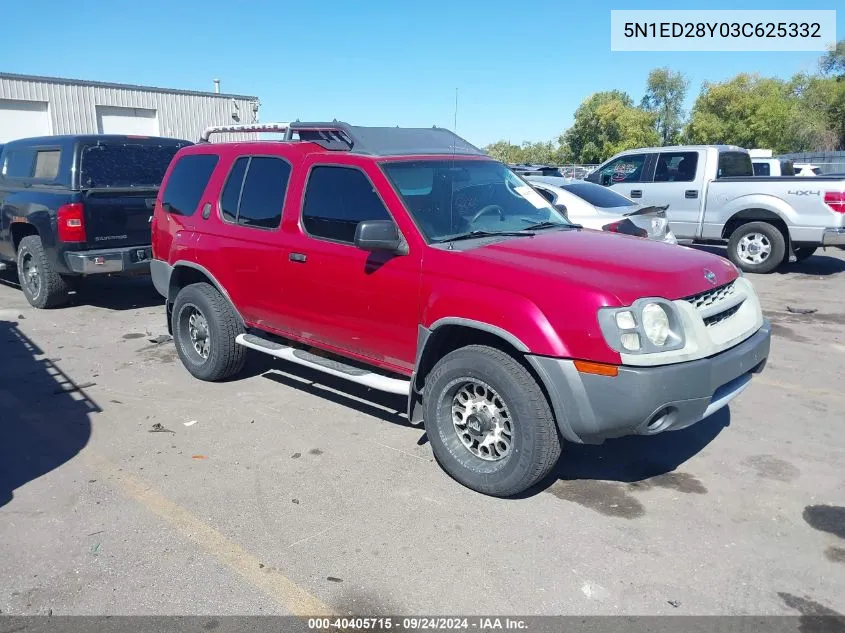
column 285, row 491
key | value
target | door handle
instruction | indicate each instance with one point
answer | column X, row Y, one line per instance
column 299, row 258
column 691, row 194
column 636, row 193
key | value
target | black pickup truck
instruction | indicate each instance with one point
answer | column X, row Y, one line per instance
column 72, row 206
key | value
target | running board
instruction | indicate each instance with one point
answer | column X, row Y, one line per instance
column 326, row 365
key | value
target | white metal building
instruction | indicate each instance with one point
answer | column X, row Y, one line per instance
column 42, row 106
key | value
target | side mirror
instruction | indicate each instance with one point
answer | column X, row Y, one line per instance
column 605, row 180
column 379, row 235
column 561, row 207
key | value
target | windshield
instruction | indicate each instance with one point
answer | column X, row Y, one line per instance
column 449, row 198
column 125, row 164
column 597, row 195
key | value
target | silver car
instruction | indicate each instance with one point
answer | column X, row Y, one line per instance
column 596, row 207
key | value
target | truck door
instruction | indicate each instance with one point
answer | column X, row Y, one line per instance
column 626, row 174
column 339, row 296
column 678, row 176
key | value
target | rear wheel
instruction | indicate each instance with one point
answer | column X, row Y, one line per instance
column 488, row 421
column 204, row 330
column 803, row 252
column 42, row 286
column 757, row 247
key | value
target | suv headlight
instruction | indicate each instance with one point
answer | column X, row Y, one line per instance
column 647, row 326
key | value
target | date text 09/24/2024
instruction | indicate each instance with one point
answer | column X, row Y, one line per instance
column 384, row 623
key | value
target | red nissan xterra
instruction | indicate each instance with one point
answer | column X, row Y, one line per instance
column 409, row 261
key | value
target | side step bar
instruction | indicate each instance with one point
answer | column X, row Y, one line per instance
column 326, row 365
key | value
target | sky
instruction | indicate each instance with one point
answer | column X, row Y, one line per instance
column 520, row 69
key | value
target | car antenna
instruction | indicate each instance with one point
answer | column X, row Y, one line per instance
column 451, row 178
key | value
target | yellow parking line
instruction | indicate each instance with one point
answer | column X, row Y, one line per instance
column 286, row 592
column 283, row 589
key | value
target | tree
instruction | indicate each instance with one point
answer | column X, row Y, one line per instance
column 833, row 63
column 665, row 93
column 819, row 113
column 606, row 123
column 747, row 110
column 548, row 153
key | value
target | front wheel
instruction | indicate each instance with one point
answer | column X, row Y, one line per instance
column 757, row 247
column 489, row 422
column 204, row 330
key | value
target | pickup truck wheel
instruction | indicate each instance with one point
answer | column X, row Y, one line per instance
column 803, row 252
column 204, row 330
column 488, row 421
column 42, row 286
column 757, row 247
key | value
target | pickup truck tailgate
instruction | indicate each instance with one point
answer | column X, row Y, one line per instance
column 117, row 218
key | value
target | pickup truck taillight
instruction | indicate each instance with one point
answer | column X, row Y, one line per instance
column 835, row 200
column 71, row 222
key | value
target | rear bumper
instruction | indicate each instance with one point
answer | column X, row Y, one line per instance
column 649, row 400
column 833, row 237
column 135, row 259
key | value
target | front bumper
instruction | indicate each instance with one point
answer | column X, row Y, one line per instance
column 648, row 400
column 135, row 259
column 833, row 237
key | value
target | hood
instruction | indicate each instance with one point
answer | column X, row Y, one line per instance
column 624, row 267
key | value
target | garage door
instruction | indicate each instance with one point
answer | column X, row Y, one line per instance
column 117, row 120
column 22, row 119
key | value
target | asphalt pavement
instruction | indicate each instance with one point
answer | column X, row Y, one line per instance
column 128, row 487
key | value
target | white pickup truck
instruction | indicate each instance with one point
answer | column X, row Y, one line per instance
column 713, row 197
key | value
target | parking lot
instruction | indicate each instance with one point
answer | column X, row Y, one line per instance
column 128, row 487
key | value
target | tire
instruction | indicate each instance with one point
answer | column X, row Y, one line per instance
column 803, row 252
column 760, row 235
column 534, row 445
column 223, row 357
column 42, row 286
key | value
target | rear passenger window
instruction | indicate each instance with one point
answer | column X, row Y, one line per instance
column 676, row 167
column 255, row 191
column 232, row 190
column 336, row 200
column 734, row 164
column 28, row 162
column 762, row 169
column 187, row 183
column 47, row 164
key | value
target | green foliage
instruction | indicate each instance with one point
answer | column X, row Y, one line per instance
column 665, row 93
column 805, row 113
column 833, row 63
column 548, row 153
column 606, row 123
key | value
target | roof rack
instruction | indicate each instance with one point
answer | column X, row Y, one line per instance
column 243, row 127
column 377, row 141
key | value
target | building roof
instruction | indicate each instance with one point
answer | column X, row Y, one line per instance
column 103, row 84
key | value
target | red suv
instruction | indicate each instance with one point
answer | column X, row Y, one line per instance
column 409, row 261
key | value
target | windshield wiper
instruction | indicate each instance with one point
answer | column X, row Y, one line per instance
column 469, row 235
column 549, row 225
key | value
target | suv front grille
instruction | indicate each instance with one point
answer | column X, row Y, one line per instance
column 721, row 316
column 707, row 303
column 706, row 299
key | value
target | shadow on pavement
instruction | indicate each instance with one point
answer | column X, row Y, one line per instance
column 384, row 406
column 819, row 265
column 638, row 457
column 43, row 413
column 111, row 293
